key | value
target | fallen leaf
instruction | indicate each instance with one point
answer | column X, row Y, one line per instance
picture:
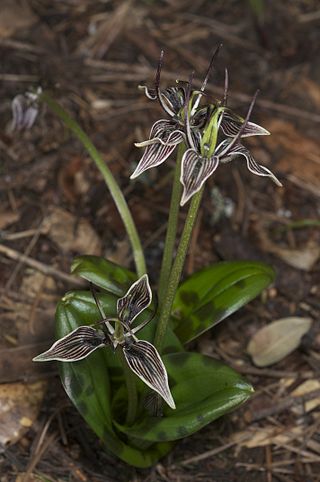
column 31, row 477
column 306, row 387
column 7, row 218
column 15, row 16
column 71, row 234
column 303, row 258
column 16, row 363
column 306, row 87
column 35, row 283
column 72, row 179
column 297, row 155
column 19, row 407
column 262, row 436
column 275, row 341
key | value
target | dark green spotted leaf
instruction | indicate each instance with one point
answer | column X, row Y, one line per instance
column 92, row 382
column 109, row 276
column 203, row 390
column 212, row 294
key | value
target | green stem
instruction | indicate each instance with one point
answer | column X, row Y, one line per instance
column 172, row 226
column 176, row 271
column 131, row 389
column 110, row 181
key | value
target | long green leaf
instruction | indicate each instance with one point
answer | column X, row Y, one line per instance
column 212, row 294
column 109, row 276
column 203, row 389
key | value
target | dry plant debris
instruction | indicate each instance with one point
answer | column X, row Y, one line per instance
column 19, row 408
column 275, row 341
column 119, row 44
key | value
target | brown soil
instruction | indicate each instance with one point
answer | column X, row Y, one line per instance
column 92, row 54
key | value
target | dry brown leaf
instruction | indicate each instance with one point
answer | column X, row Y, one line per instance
column 7, row 218
column 303, row 258
column 15, row 16
column 275, row 341
column 262, row 436
column 31, row 477
column 72, row 179
column 299, row 159
column 19, row 407
column 34, row 283
column 312, row 89
column 103, row 36
column 71, row 234
column 303, row 389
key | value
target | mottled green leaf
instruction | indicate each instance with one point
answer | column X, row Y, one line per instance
column 109, row 276
column 212, row 294
column 203, row 389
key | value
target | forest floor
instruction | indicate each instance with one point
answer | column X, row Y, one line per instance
column 92, row 55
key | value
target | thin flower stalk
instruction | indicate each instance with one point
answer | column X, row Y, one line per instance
column 176, row 271
column 131, row 390
column 172, row 226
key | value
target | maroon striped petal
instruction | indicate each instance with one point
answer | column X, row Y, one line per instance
column 75, row 346
column 162, row 129
column 157, row 153
column 231, row 124
column 137, row 299
column 252, row 165
column 144, row 360
column 195, row 170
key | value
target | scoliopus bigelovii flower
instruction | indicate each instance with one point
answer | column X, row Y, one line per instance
column 141, row 356
column 166, row 134
column 206, row 151
column 212, row 133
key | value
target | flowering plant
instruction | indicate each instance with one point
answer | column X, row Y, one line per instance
column 118, row 381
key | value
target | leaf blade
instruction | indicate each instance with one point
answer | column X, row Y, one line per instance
column 103, row 273
column 212, row 294
column 203, row 389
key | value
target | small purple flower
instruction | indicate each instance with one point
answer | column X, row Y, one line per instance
column 25, row 110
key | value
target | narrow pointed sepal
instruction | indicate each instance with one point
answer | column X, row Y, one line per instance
column 195, row 170
column 153, row 156
column 164, row 137
column 150, row 93
column 144, row 360
column 252, row 165
column 75, row 346
column 137, row 299
column 253, row 129
column 231, row 124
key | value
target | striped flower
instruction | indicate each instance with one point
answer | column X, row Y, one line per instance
column 165, row 135
column 141, row 356
column 205, row 153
